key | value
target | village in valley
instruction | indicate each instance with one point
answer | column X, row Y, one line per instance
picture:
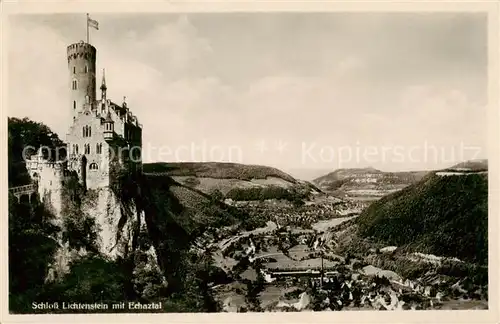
column 303, row 259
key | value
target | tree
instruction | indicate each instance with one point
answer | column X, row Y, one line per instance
column 23, row 134
column 91, row 279
column 31, row 249
column 216, row 195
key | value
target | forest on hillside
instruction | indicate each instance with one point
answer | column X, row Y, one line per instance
column 441, row 215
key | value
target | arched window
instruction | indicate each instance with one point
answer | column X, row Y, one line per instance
column 83, row 131
column 76, row 148
column 98, row 148
column 86, row 131
column 74, row 70
column 93, row 166
column 75, row 84
column 86, row 69
column 74, row 104
column 90, row 131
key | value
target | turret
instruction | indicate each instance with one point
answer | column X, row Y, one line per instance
column 81, row 67
column 109, row 126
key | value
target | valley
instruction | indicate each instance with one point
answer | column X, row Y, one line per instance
column 312, row 257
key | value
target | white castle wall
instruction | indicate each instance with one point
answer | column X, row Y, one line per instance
column 50, row 177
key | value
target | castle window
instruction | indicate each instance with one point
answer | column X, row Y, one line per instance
column 93, row 166
column 98, row 148
column 86, row 69
column 76, row 148
column 87, row 131
column 74, row 104
column 74, row 70
column 75, row 85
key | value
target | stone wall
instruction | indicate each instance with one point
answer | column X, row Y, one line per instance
column 97, row 165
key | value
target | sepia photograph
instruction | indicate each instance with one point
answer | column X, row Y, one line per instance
column 238, row 162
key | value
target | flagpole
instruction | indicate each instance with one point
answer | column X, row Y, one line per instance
column 88, row 29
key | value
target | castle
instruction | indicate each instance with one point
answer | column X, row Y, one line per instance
column 103, row 136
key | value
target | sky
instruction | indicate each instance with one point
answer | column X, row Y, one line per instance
column 303, row 92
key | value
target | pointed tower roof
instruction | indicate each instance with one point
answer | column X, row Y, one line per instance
column 103, row 85
column 108, row 118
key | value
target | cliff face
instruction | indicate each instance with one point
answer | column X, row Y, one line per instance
column 116, row 226
column 114, row 239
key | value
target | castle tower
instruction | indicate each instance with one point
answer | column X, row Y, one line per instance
column 81, row 67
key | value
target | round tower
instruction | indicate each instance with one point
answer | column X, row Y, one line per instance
column 81, row 66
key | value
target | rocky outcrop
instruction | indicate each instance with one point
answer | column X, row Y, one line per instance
column 117, row 225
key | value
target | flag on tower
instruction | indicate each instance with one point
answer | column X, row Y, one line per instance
column 92, row 23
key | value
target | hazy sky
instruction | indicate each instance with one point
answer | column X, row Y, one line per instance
column 295, row 91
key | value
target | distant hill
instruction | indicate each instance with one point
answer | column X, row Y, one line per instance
column 218, row 170
column 445, row 213
column 233, row 180
column 366, row 181
column 472, row 165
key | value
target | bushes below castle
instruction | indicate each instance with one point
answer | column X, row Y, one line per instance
column 32, row 246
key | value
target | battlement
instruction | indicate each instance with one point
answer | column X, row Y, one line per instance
column 46, row 164
column 36, row 168
column 81, row 49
